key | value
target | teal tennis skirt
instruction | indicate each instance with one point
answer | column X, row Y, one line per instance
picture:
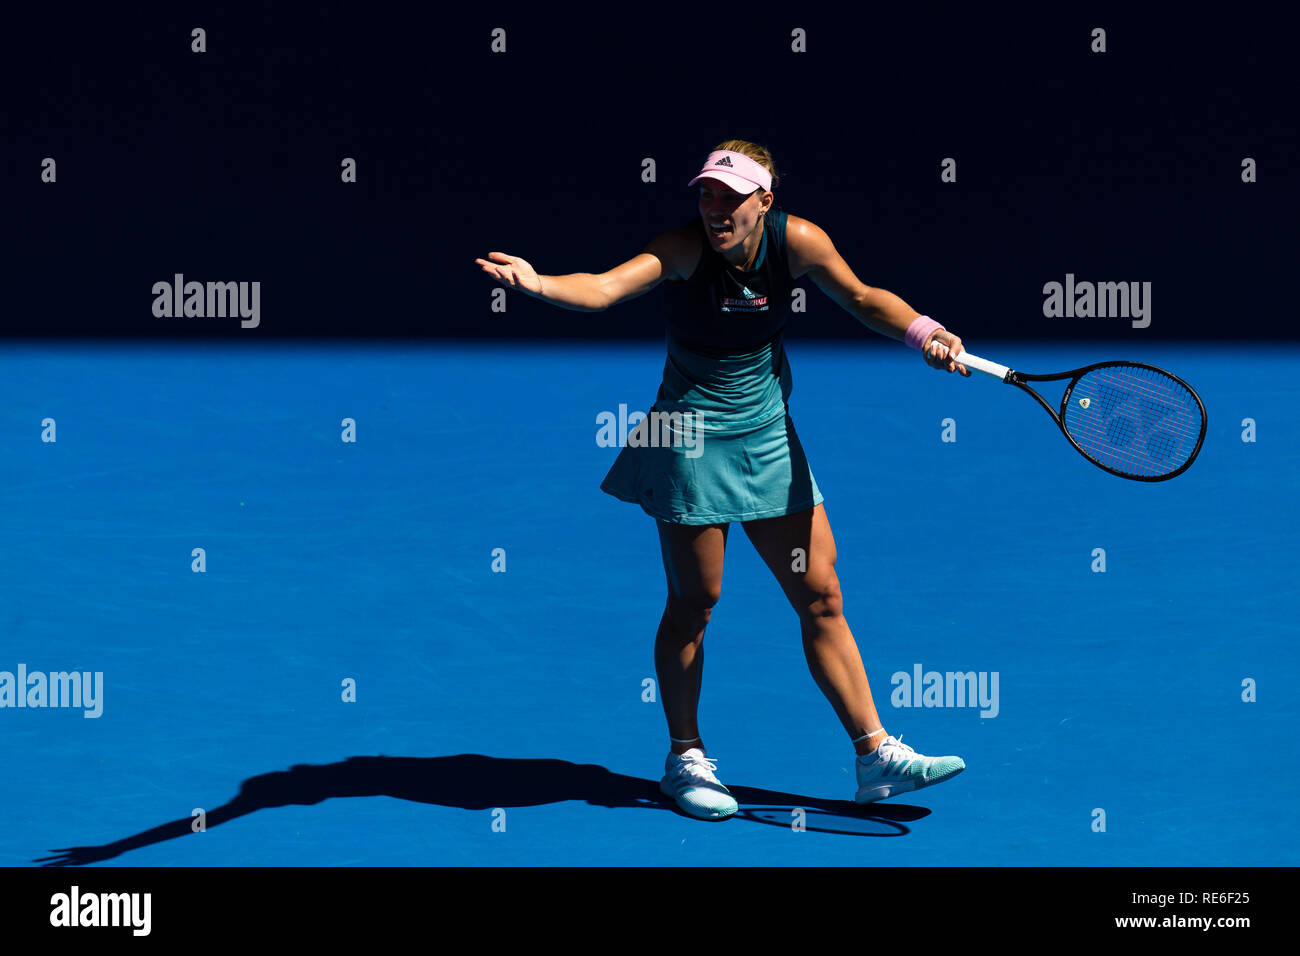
column 697, row 459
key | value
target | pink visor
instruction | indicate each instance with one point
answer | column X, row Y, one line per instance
column 736, row 170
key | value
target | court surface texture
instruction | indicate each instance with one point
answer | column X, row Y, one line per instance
column 457, row 569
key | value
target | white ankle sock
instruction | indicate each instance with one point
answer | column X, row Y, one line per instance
column 873, row 756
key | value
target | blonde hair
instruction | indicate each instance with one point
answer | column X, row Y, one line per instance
column 755, row 152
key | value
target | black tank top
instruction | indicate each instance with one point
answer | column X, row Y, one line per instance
column 722, row 309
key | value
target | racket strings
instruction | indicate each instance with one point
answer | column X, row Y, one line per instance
column 1137, row 421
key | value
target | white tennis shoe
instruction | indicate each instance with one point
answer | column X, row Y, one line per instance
column 688, row 779
column 899, row 769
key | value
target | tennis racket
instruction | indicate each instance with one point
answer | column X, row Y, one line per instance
column 1132, row 420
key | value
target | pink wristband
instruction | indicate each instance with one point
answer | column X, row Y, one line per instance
column 922, row 328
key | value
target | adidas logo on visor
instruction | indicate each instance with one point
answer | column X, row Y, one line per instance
column 724, row 161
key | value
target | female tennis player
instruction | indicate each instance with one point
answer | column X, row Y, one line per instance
column 729, row 452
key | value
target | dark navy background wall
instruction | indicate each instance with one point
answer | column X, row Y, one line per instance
column 225, row 166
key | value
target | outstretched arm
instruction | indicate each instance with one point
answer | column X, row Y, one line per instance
column 661, row 259
column 579, row 292
column 812, row 253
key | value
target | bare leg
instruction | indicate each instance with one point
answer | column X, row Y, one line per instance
column 828, row 643
column 693, row 556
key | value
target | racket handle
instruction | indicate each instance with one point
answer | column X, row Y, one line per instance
column 978, row 364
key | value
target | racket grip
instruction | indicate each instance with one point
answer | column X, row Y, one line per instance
column 975, row 363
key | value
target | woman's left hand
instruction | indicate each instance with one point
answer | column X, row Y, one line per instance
column 938, row 350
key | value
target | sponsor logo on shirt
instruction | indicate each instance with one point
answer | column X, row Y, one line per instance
column 753, row 302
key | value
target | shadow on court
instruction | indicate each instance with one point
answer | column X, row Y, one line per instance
column 478, row 782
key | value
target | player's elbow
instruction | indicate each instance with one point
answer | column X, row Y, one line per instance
column 616, row 290
column 633, row 278
column 865, row 303
column 602, row 295
column 867, row 298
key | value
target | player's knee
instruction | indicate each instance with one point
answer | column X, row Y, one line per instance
column 690, row 613
column 822, row 598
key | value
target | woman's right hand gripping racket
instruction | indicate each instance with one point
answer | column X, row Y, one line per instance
column 1132, row 420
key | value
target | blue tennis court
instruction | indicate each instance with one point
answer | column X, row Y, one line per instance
column 458, row 571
